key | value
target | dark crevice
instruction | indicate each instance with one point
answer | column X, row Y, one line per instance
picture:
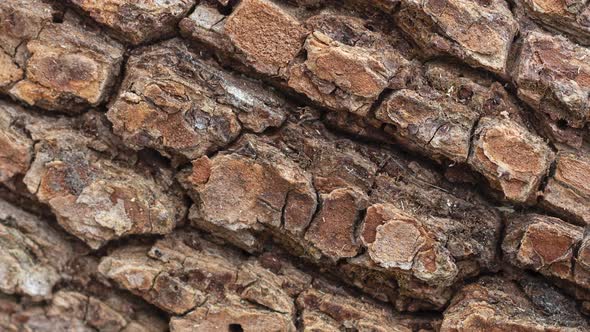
column 546, row 177
column 227, row 9
column 235, row 328
column 472, row 137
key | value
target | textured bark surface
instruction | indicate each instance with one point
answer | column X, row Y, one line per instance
column 294, row 165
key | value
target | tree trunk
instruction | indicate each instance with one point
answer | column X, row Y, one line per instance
column 294, row 165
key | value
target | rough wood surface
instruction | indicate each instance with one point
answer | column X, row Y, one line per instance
column 294, row 165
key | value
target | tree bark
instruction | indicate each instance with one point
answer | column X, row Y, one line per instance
column 294, row 165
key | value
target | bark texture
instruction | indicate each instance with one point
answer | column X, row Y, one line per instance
column 294, row 165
